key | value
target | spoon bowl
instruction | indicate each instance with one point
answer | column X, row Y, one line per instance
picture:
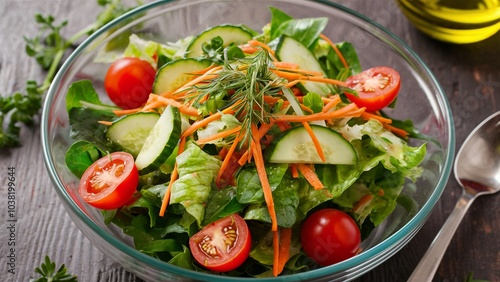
column 477, row 170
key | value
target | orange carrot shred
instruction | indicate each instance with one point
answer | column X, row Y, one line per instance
column 285, row 241
column 105, row 122
column 126, row 112
column 228, row 156
column 363, row 201
column 166, row 197
column 398, row 131
column 337, row 51
column 218, row 135
column 294, row 171
column 367, row 116
column 264, row 46
column 261, row 171
column 315, row 141
column 276, row 252
column 310, row 176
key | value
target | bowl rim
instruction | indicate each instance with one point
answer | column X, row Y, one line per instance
column 403, row 235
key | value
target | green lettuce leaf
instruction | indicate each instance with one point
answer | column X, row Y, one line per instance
column 197, row 170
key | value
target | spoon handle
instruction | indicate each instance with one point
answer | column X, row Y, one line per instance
column 429, row 263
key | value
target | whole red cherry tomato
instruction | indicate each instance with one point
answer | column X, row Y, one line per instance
column 330, row 236
column 129, row 81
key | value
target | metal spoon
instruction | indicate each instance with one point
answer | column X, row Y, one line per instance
column 477, row 170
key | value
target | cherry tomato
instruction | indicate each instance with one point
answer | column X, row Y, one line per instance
column 330, row 236
column 129, row 81
column 222, row 245
column 110, row 182
column 376, row 87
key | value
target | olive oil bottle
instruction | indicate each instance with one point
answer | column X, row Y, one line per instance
column 455, row 21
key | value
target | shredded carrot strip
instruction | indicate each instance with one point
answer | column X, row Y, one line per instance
column 205, row 70
column 310, row 176
column 199, row 124
column 367, row 116
column 315, row 141
column 126, row 112
column 286, row 65
column 223, row 152
column 290, row 76
column 350, row 110
column 363, row 201
column 246, row 48
column 264, row 46
column 294, row 171
column 398, row 131
column 261, row 171
column 297, row 71
column 166, row 198
column 185, row 109
column 218, row 135
column 276, row 252
column 306, row 108
column 105, row 122
column 285, row 242
column 209, row 74
column 332, row 103
column 228, row 156
column 381, row 192
column 291, row 84
column 173, row 177
column 325, row 80
column 247, row 156
column 337, row 51
column 152, row 105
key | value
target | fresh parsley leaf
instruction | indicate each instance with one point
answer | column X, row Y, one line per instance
column 49, row 273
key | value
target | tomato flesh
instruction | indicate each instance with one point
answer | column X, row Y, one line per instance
column 376, row 87
column 222, row 245
column 109, row 182
column 129, row 81
column 329, row 236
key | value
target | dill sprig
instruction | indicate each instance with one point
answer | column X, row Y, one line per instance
column 244, row 83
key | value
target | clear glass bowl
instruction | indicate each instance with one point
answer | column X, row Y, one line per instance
column 421, row 100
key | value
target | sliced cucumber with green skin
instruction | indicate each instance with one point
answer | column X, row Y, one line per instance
column 296, row 146
column 130, row 131
column 229, row 34
column 175, row 74
column 291, row 50
column 160, row 142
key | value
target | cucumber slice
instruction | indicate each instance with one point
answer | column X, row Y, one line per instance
column 160, row 142
column 291, row 50
column 229, row 33
column 296, row 146
column 175, row 74
column 130, row 131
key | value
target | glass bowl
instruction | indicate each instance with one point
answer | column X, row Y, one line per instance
column 421, row 99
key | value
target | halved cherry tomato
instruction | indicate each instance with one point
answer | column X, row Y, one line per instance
column 129, row 81
column 110, row 182
column 330, row 236
column 376, row 87
column 222, row 245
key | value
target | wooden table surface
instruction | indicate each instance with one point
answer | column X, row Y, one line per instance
column 469, row 75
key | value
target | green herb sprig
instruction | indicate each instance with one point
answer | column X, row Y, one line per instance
column 48, row 48
column 244, row 82
column 49, row 273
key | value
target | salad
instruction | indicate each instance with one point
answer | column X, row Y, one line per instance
column 243, row 152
